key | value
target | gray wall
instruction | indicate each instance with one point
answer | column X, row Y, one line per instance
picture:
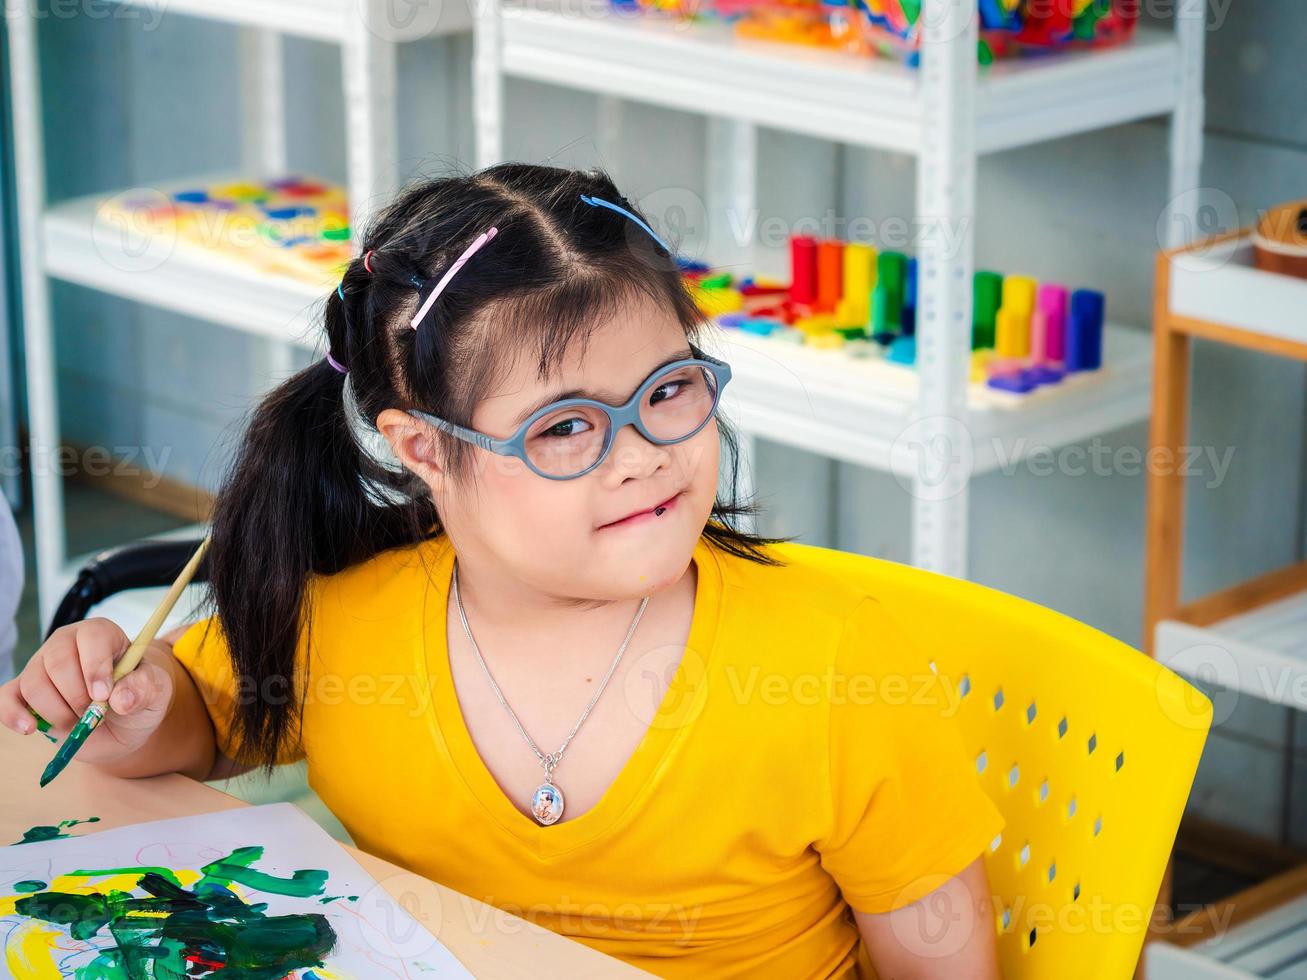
column 126, row 105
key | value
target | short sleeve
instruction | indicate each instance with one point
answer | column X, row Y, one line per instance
column 907, row 810
column 203, row 651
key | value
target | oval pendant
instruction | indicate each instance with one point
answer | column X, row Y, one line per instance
column 547, row 803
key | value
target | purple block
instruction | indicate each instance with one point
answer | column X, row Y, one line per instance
column 1018, row 381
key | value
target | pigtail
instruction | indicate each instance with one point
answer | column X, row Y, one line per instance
column 304, row 496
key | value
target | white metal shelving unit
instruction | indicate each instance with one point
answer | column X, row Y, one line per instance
column 945, row 114
column 63, row 241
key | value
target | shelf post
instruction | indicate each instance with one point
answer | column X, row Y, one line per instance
column 38, row 338
column 936, row 438
column 263, row 107
column 371, row 139
column 1171, row 361
column 488, row 83
column 731, row 211
column 732, row 186
column 1187, row 127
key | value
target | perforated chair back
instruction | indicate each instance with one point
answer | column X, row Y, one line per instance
column 1088, row 747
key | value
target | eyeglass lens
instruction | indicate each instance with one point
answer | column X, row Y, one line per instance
column 568, row 441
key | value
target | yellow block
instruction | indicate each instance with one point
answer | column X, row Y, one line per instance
column 859, row 278
column 715, row 302
column 1012, row 335
column 820, row 323
column 826, row 341
column 979, row 359
column 1019, row 294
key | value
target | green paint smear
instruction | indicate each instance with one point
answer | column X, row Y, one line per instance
column 37, row 834
column 236, row 868
column 165, row 873
column 174, row 933
column 43, row 727
column 30, row 885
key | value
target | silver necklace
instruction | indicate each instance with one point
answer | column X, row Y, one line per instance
column 547, row 801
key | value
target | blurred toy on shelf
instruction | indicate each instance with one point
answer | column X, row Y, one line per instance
column 1007, row 27
column 850, row 297
column 1280, row 240
column 892, row 28
column 297, row 226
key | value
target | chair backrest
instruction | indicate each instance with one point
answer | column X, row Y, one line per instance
column 1088, row 747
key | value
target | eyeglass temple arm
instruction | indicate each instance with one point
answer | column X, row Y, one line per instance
column 701, row 355
column 501, row 446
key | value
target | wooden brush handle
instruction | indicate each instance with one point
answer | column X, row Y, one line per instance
column 145, row 637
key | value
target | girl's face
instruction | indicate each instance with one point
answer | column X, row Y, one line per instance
column 559, row 536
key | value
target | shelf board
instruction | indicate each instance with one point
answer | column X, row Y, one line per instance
column 820, row 401
column 1262, row 652
column 1218, row 283
column 857, row 410
column 82, row 248
column 700, row 66
column 324, row 20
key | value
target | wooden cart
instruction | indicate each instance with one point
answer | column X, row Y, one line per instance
column 1242, row 634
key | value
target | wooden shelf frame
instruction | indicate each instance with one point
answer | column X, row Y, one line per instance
column 1173, row 334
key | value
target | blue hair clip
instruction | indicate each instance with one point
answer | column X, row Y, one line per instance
column 599, row 201
column 340, row 292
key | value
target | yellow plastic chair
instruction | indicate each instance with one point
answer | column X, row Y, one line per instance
column 1088, row 747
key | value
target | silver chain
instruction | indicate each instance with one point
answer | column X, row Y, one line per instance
column 551, row 761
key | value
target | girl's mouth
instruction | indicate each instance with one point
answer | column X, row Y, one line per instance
column 644, row 516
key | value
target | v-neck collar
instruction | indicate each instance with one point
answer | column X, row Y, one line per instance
column 671, row 722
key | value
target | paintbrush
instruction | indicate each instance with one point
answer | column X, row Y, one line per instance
column 94, row 714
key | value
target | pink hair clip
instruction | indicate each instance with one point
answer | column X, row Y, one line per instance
column 484, row 237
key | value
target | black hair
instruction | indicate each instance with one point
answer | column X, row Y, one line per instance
column 305, row 497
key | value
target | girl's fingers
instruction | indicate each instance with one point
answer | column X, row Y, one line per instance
column 44, row 698
column 134, row 691
column 138, row 698
column 13, row 709
column 99, row 644
column 66, row 675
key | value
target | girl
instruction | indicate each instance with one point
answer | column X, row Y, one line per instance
column 521, row 643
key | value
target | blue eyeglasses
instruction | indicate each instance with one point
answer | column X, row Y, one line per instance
column 569, row 438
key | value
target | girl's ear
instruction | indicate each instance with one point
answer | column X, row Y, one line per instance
column 413, row 443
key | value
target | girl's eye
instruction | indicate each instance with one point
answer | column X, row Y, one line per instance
column 564, row 429
column 678, row 384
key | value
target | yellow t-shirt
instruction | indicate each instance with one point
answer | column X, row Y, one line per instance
column 784, row 777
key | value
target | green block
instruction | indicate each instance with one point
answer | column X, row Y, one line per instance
column 987, row 297
column 886, row 309
column 892, row 272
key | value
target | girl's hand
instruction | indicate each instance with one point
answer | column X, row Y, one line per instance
column 75, row 667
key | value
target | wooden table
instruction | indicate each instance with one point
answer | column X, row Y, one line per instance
column 489, row 941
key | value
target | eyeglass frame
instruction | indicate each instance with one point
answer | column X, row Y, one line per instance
column 619, row 416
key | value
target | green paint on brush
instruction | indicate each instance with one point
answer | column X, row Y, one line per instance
column 29, row 885
column 36, row 834
column 174, row 933
column 88, row 723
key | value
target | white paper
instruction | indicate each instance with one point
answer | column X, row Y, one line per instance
column 374, row 936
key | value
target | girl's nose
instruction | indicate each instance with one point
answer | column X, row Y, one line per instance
column 632, row 455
